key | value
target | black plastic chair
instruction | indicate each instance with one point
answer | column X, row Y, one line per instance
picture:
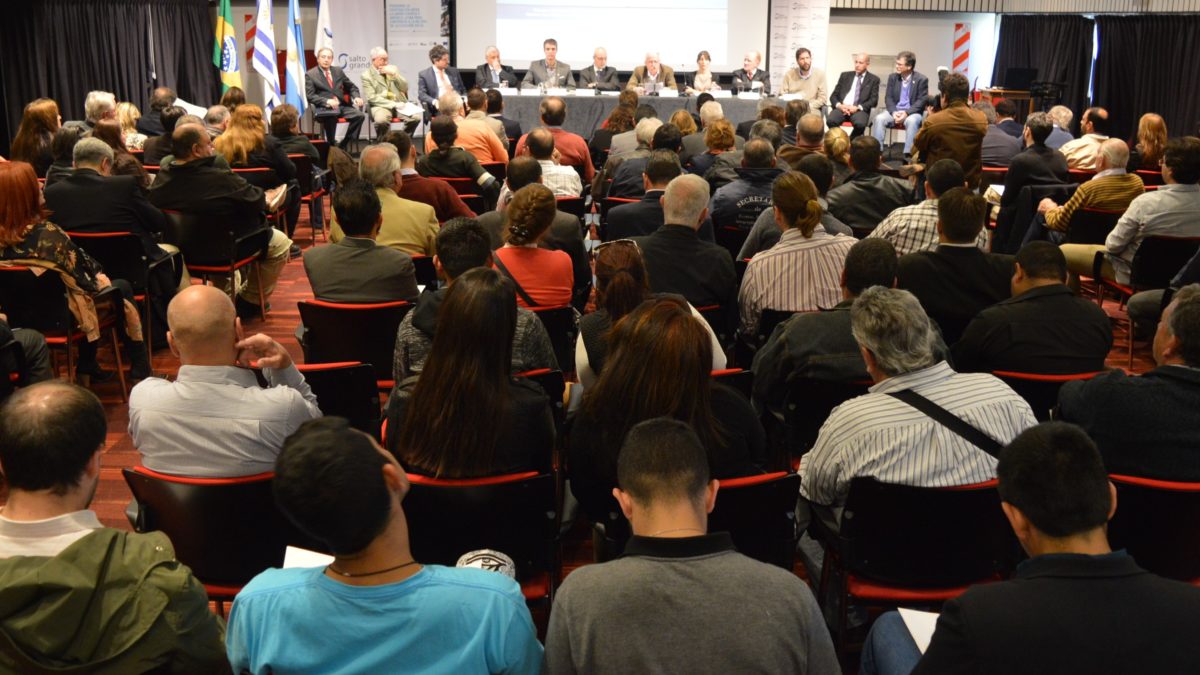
column 499, row 170
column 730, row 238
column 516, row 514
column 312, row 192
column 1091, row 226
column 759, row 512
column 1039, row 391
column 1157, row 522
column 571, row 205
column 562, row 327
column 346, row 390
column 211, row 247
column 425, row 270
column 551, row 382
column 14, row 372
column 740, row 379
column 338, row 332
column 807, row 405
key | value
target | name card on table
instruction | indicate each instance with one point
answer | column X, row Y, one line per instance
column 721, row 93
column 749, row 95
column 668, row 93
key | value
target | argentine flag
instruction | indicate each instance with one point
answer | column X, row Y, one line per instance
column 264, row 54
column 295, row 58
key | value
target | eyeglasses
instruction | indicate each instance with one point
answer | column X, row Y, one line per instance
column 623, row 242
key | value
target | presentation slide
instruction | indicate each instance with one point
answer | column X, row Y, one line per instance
column 676, row 29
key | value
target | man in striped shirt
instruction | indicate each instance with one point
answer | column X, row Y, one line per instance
column 1111, row 189
column 914, row 228
column 881, row 436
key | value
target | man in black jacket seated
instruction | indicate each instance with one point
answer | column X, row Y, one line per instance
column 955, row 281
column 867, row 196
column 645, row 216
column 1075, row 606
column 1043, row 328
column 1037, row 164
column 1146, row 426
column 151, row 123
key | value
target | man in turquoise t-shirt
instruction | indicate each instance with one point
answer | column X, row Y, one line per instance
column 374, row 609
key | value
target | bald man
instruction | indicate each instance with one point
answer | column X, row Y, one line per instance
column 214, row 420
column 652, row 76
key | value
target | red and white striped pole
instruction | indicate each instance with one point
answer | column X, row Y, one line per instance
column 962, row 47
column 251, row 29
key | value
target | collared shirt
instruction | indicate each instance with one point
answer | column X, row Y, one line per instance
column 1171, row 210
column 1081, row 152
column 851, row 97
column 885, row 438
column 796, row 275
column 905, row 91
column 914, row 228
column 1109, row 190
column 563, row 181
column 46, row 537
column 216, row 421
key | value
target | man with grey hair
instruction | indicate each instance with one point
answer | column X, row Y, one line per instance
column 216, row 120
column 693, row 144
column 653, row 76
column 599, row 76
column 492, row 74
column 333, row 96
column 750, row 78
column 386, row 92
column 407, row 225
column 679, row 261
column 857, row 91
column 1111, row 189
column 884, row 435
column 99, row 105
column 1060, row 116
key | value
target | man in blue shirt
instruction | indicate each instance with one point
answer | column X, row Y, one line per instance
column 374, row 608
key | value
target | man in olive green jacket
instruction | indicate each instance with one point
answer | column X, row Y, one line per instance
column 77, row 597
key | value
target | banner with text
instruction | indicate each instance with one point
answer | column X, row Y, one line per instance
column 413, row 27
column 357, row 28
column 795, row 24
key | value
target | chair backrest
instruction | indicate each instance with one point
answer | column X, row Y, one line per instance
column 551, row 382
column 807, row 405
column 767, row 321
column 322, row 146
column 260, row 176
column 1039, row 391
column 339, row 332
column 739, row 379
column 476, row 203
column 13, row 370
column 499, row 170
column 571, row 205
column 730, row 238
column 425, row 270
column 34, row 301
column 1157, row 523
column 994, row 174
column 201, row 239
column 226, row 529
column 515, row 514
column 347, row 390
column 1158, row 259
column 463, row 186
column 759, row 512
column 1150, row 178
column 304, row 172
column 561, row 325
column 1081, row 175
column 928, row 537
column 121, row 254
column 1091, row 226
column 718, row 320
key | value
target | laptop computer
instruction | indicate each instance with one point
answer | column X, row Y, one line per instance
column 1019, row 79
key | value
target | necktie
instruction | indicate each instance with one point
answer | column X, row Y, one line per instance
column 329, row 79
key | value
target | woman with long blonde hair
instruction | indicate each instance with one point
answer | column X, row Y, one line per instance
column 246, row 145
column 1151, row 141
column 128, row 116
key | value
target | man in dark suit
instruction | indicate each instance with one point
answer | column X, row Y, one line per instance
column 1037, row 164
column 550, row 70
column 907, row 91
column 678, row 261
column 333, row 95
column 151, row 122
column 955, row 281
column 495, row 108
column 356, row 269
column 857, row 91
column 645, row 216
column 867, row 196
column 492, row 73
column 750, row 78
column 438, row 79
column 1075, row 606
column 1043, row 328
column 1146, row 425
column 599, row 76
column 1006, row 113
column 156, row 148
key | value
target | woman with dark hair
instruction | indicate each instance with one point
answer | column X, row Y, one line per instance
column 619, row 121
column 465, row 415
column 1147, row 149
column 621, row 285
column 28, row 238
column 62, row 147
column 124, row 163
column 233, row 97
column 543, row 278
column 447, row 160
column 719, row 137
column 32, row 142
column 246, row 145
column 703, row 80
column 659, row 366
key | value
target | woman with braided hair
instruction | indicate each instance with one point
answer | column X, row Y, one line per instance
column 543, row 278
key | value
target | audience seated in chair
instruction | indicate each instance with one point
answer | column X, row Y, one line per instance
column 477, row 104
column 448, row 160
column 718, row 140
column 1037, row 164
column 572, row 148
column 644, row 216
column 766, row 232
column 809, row 132
column 563, row 181
column 158, row 147
column 867, row 196
column 245, row 146
column 658, row 362
column 374, row 606
column 1093, row 130
column 466, row 415
column 999, row 146
column 408, row 226
column 1111, row 189
column 463, row 245
column 122, row 599
column 914, row 228
column 285, row 129
column 737, row 204
column 1146, row 426
column 1043, row 328
column 627, row 178
column 542, row 277
column 475, row 135
column 954, row 132
column 1075, row 606
column 216, row 121
column 437, row 193
column 696, row 143
column 356, row 268
column 643, row 134
column 215, row 420
column 725, row 167
column 678, row 590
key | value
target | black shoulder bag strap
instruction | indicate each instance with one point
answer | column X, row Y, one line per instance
column 947, row 419
column 520, row 291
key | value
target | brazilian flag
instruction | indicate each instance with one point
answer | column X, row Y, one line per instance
column 225, row 50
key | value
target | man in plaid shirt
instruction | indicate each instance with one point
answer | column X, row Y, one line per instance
column 914, row 228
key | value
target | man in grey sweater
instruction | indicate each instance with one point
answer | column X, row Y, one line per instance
column 681, row 600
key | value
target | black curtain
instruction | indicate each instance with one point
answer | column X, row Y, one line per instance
column 1058, row 45
column 1149, row 63
column 62, row 49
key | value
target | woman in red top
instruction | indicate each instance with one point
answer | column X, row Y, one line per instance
column 543, row 277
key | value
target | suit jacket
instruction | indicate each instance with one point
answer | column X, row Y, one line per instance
column 639, row 78
column 1047, row 330
column 384, row 91
column 203, row 188
column 918, row 91
column 407, row 225
column 1069, row 613
column 151, row 123
column 565, row 234
column 483, row 77
column 954, row 283
column 743, row 81
column 998, row 148
column 357, row 269
column 85, row 201
column 428, row 87
column 539, row 72
column 867, row 197
column 678, row 261
column 638, row 219
column 954, row 133
column 1011, row 127
column 318, row 91
column 606, row 80
column 868, row 91
column 512, row 128
column 1143, row 426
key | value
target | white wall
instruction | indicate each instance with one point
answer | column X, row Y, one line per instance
column 251, row 81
